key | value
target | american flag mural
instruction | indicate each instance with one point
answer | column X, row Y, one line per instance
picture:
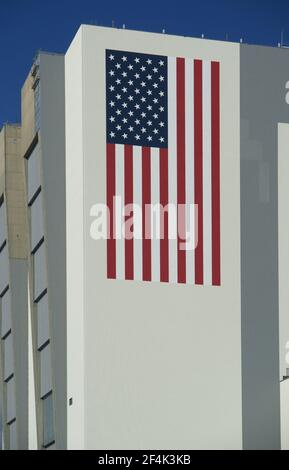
column 163, row 149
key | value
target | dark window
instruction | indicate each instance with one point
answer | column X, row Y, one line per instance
column 48, row 421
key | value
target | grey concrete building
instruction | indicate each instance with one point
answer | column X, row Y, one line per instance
column 43, row 149
column 13, row 291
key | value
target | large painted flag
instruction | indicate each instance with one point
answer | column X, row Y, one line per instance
column 163, row 168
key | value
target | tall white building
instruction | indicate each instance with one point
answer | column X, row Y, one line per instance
column 180, row 364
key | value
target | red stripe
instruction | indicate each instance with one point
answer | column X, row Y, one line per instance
column 164, row 197
column 198, row 129
column 128, row 199
column 146, row 223
column 110, row 193
column 181, row 168
column 215, row 91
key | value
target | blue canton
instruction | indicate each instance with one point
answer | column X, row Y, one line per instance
column 136, row 99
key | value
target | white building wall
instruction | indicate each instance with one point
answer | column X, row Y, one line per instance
column 283, row 237
column 284, row 394
column 32, row 427
column 159, row 366
column 75, row 244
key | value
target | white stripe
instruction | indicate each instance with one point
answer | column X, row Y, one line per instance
column 155, row 214
column 137, row 200
column 207, row 173
column 190, row 199
column 172, row 168
column 119, row 191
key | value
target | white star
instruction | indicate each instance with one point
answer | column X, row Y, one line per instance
column 149, row 107
column 124, row 120
column 130, row 82
column 143, row 84
column 155, row 116
column 149, row 77
column 155, row 131
column 136, row 60
column 112, row 119
column 111, row 88
column 111, row 73
column 161, row 108
column 155, row 69
column 111, row 57
column 155, row 100
column 124, row 105
column 137, row 137
column 118, row 127
column 161, row 93
column 124, row 74
column 118, row 111
column 161, row 62
column 118, row 81
column 136, row 75
column 149, row 123
column 118, row 66
column 137, row 121
column 161, row 79
column 161, row 124
column 130, row 67
column 143, row 99
column 118, row 97
column 149, row 61
column 111, row 104
column 136, row 106
column 143, row 114
column 143, row 129
column 124, row 89
column 136, row 91
column 149, row 138
column 112, row 134
column 124, row 59
column 130, row 98
column 161, row 139
column 130, row 128
column 124, row 136
column 142, row 68
column 130, row 113
column 155, row 85
column 149, row 92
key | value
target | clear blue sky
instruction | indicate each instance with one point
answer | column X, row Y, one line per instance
column 29, row 25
